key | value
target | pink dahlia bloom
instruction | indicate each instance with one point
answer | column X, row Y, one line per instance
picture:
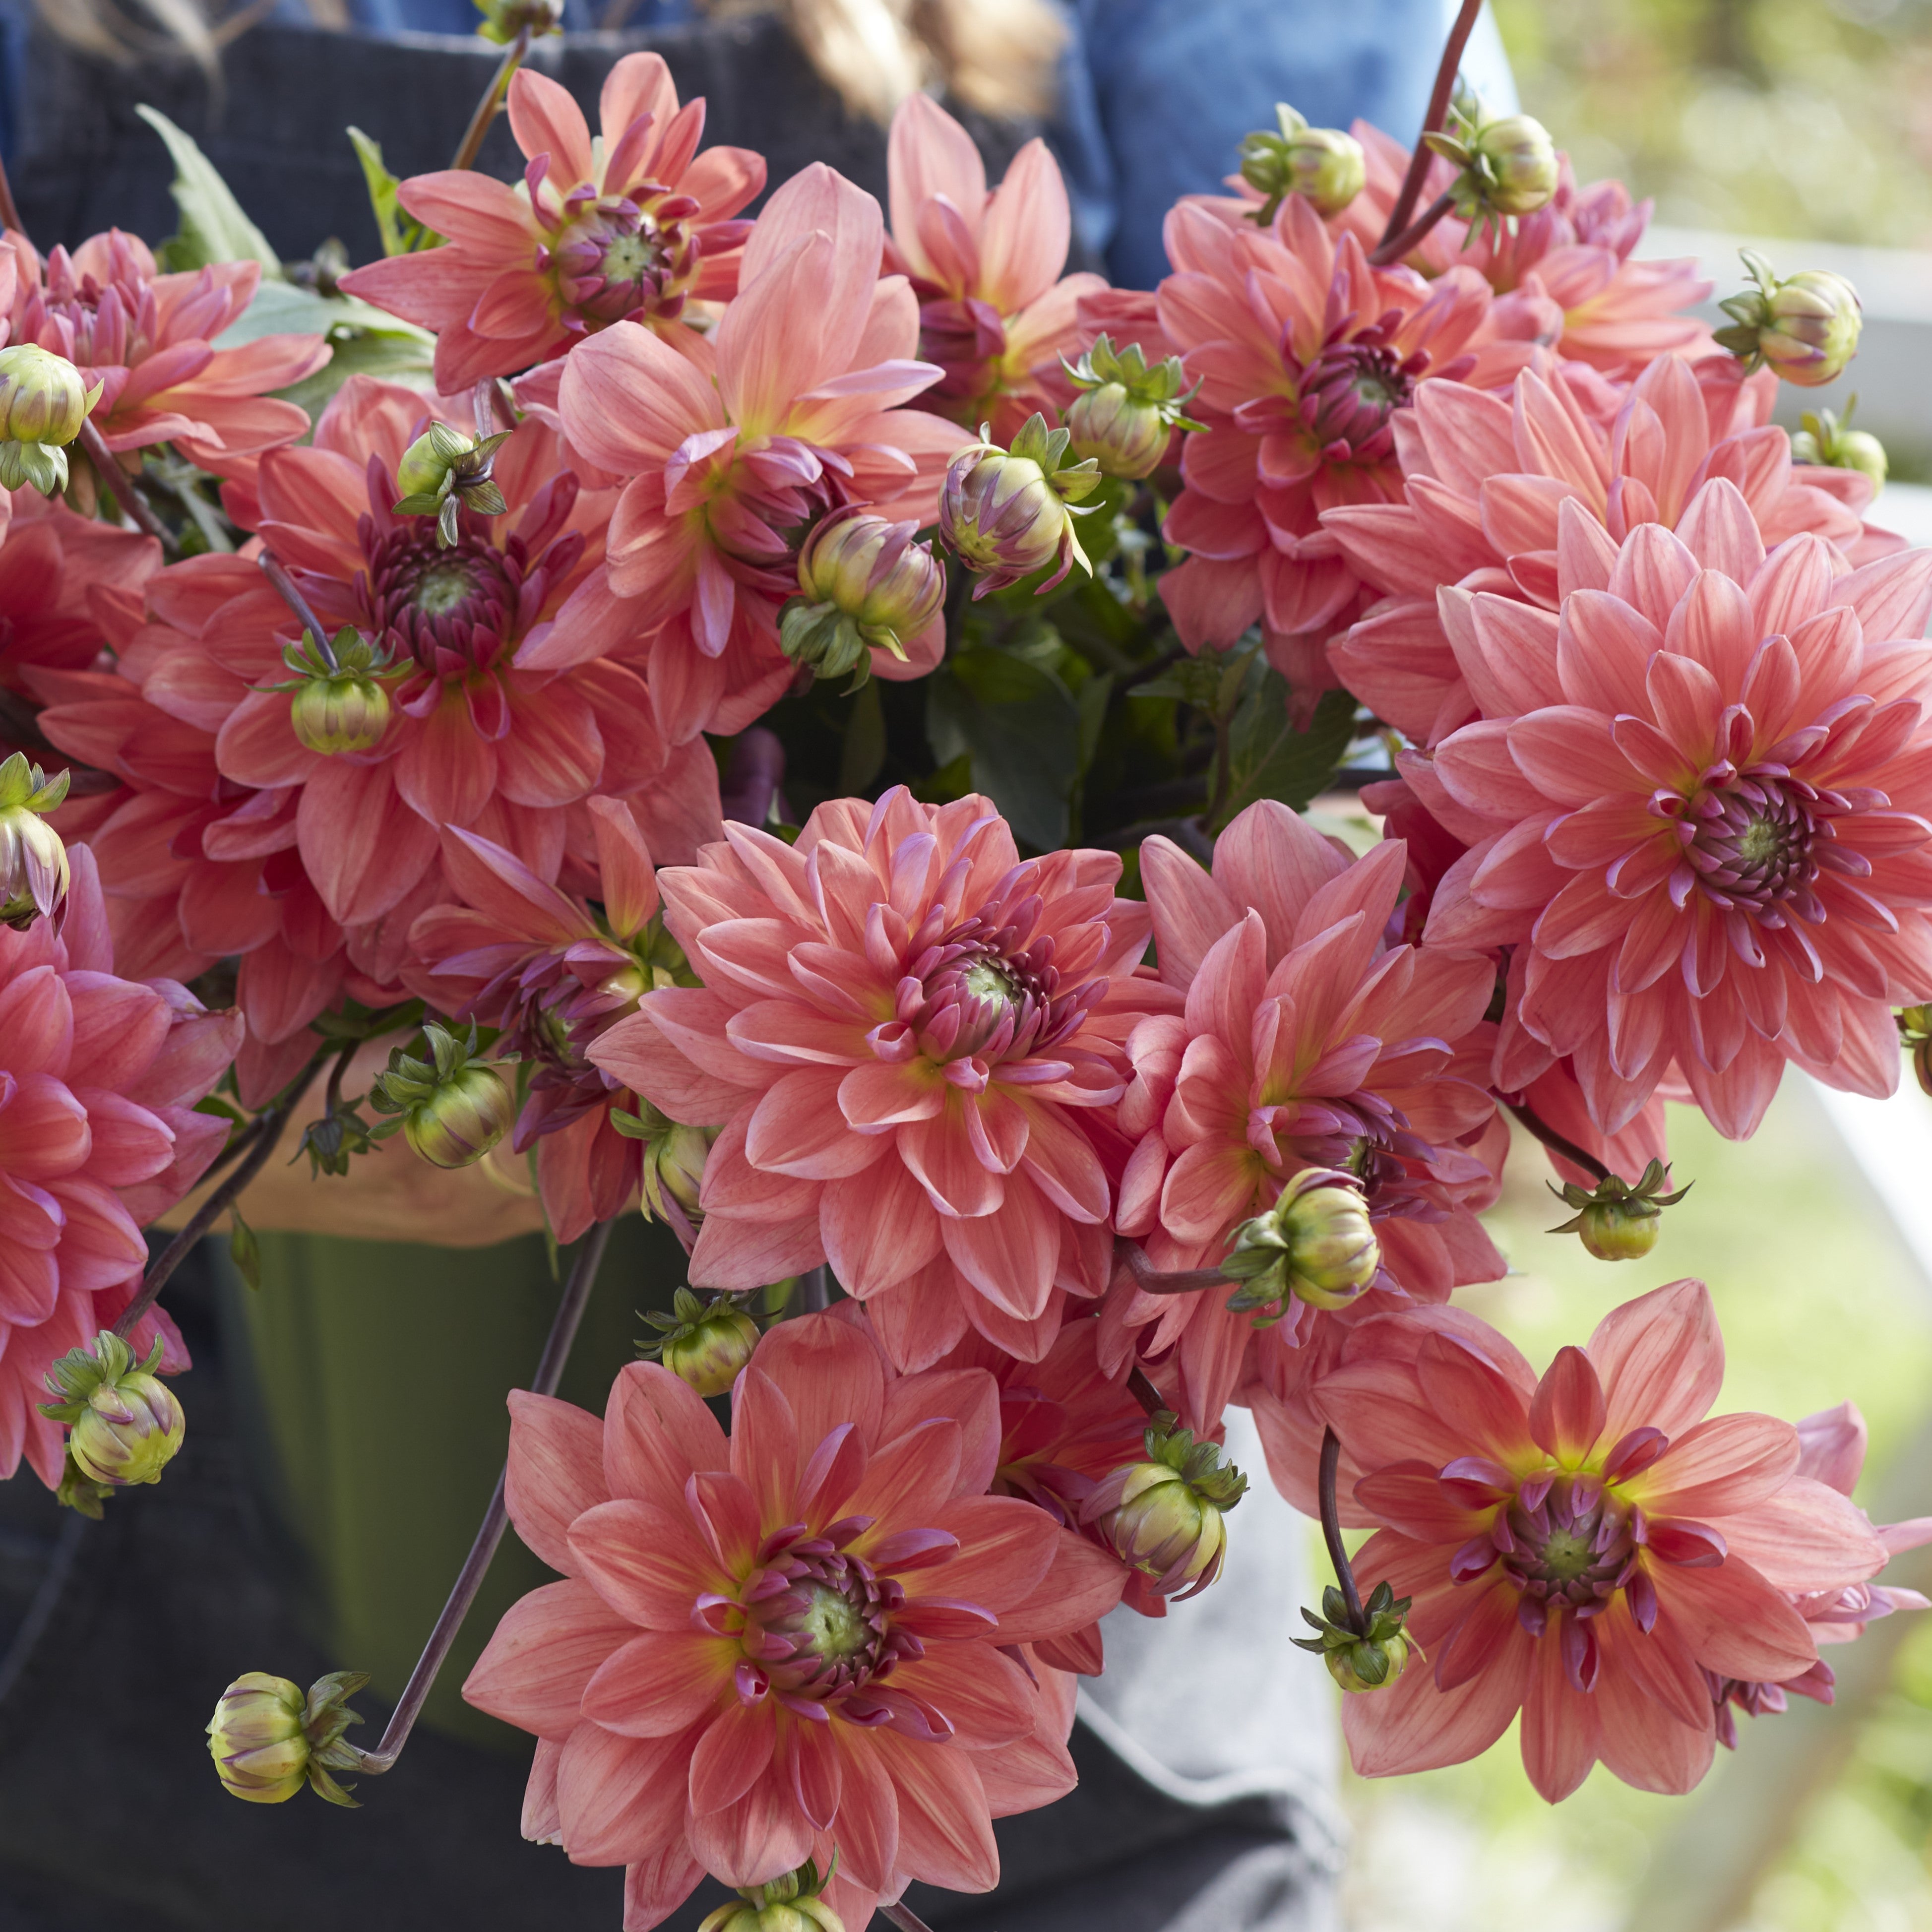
column 1306, row 1040
column 1574, row 258
column 804, row 1636
column 910, row 1039
column 789, row 409
column 633, row 226
column 148, row 339
column 995, row 312
column 99, row 1077
column 1581, row 1548
column 1307, row 357
column 1492, row 486
column 1707, row 805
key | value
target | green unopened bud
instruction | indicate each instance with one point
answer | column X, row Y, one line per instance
column 1163, row 1517
column 43, row 401
column 1509, row 164
column 787, row 1904
column 1325, row 166
column 340, row 707
column 1370, row 1659
column 674, row 1163
column 1316, row 1244
column 1805, row 327
column 33, row 871
column 452, row 1109
column 864, row 585
column 268, row 1739
column 124, row 1424
column 1125, row 413
column 703, row 1343
column 1915, row 1034
column 444, row 471
column 1830, row 440
column 1616, row 1221
column 1005, row 511
column 504, row 19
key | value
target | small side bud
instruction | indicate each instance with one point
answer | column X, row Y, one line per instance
column 1006, row 513
column 1316, row 1244
column 124, row 1423
column 1806, row 327
column 504, row 19
column 1510, row 165
column 444, row 471
column 1830, row 441
column 1915, row 1034
column 451, row 1108
column 340, row 706
column 1163, row 1517
column 1325, row 166
column 864, row 585
column 1125, row 413
column 1367, row 1660
column 34, row 869
column 44, row 400
column 1616, row 1221
column 791, row 1903
column 268, row 1740
column 674, row 1156
column 703, row 1343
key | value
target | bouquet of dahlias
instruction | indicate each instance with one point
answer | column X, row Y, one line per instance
column 803, row 727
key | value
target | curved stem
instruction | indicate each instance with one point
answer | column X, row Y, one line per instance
column 904, row 1917
column 1144, row 1392
column 1331, row 1533
column 1151, row 1280
column 285, row 589
column 1431, row 122
column 1393, row 250
column 10, row 211
column 139, row 511
column 487, row 107
column 495, row 1518
column 1557, row 1143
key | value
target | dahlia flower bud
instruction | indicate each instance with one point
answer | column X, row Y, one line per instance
column 339, row 705
column 43, row 401
column 1806, row 327
column 1316, row 1244
column 1005, row 511
column 1125, row 413
column 1509, row 165
column 1371, row 1658
column 674, row 1156
column 268, row 1740
column 1163, row 1517
column 703, row 1343
column 33, row 860
column 1831, row 440
column 1616, row 1221
column 1915, row 1032
column 444, row 471
column 787, row 1904
column 864, row 585
column 1325, row 166
column 452, row 1109
column 503, row 20
column 124, row 1425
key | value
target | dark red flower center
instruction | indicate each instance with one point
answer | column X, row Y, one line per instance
column 1753, row 840
column 619, row 258
column 453, row 610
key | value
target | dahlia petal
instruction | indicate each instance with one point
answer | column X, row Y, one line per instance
column 1479, row 1405
column 657, row 1431
column 946, row 1832
column 1411, row 1726
column 1806, row 1537
column 1661, row 1361
column 879, row 1232
column 797, row 1129
column 548, row 1647
column 644, row 1561
column 831, row 1373
column 1560, row 1733
column 868, row 1814
column 361, row 847
column 984, row 1695
column 1009, row 1254
column 1487, row 1628
column 655, row 1887
column 1733, row 1621
column 907, row 1482
column 732, row 1754
column 1566, row 1417
column 1082, row 1582
column 759, row 1838
column 1569, row 754
column 555, row 1473
column 1725, row 1463
column 1191, row 911
column 941, row 1156
column 620, row 1800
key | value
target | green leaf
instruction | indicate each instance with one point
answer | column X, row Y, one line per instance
column 1268, row 758
column 397, row 358
column 213, row 228
column 1020, row 726
column 402, row 234
column 244, row 1250
column 281, row 308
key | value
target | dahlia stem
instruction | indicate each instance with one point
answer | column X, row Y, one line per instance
column 1438, row 111
column 904, row 1917
column 10, row 210
column 492, row 101
column 1331, row 1533
column 1142, row 1388
column 1393, row 250
column 495, row 1518
column 1151, row 1280
column 1557, row 1143
column 262, row 1133
column 814, row 1290
column 285, row 588
column 126, row 493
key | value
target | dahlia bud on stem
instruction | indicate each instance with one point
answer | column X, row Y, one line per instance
column 704, row 1343
column 503, row 20
column 1806, row 327
column 787, row 1904
column 1509, row 167
column 1163, row 1517
column 443, row 472
column 44, row 400
column 1316, row 1244
column 1362, row 1644
column 674, row 1157
column 268, row 1740
column 1616, row 1221
column 864, row 585
column 1323, row 165
column 338, row 704
column 124, row 1424
column 1914, row 1034
column 33, row 860
column 1830, row 440
column 1125, row 413
column 451, row 1108
column 1007, row 513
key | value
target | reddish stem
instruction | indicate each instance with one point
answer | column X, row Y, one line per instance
column 1439, row 110
column 285, row 588
column 117, row 480
column 1331, row 1533
column 1557, row 1143
column 488, row 108
column 1417, row 231
column 1151, row 1280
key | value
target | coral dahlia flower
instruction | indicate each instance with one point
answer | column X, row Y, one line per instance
column 1707, row 789
column 1499, row 497
column 1581, row 1548
column 99, row 1077
column 633, row 226
column 1306, row 357
column 800, row 1638
column 995, row 312
column 910, row 1039
column 148, row 339
column 1306, row 1040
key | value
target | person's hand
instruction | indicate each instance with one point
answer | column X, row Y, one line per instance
column 389, row 1194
